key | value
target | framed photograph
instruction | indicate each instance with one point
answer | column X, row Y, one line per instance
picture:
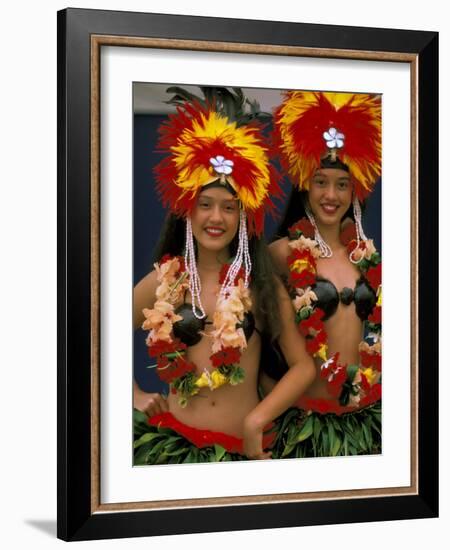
column 137, row 94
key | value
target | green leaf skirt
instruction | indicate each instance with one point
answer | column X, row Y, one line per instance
column 312, row 434
column 162, row 445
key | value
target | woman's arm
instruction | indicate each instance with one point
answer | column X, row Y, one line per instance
column 284, row 394
column 144, row 296
column 279, row 250
column 266, row 383
column 148, row 403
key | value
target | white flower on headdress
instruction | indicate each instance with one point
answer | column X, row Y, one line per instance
column 334, row 139
column 222, row 165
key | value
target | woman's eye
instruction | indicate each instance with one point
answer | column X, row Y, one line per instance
column 343, row 185
column 230, row 208
column 204, row 204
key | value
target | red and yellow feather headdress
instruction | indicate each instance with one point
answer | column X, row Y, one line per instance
column 203, row 146
column 309, row 126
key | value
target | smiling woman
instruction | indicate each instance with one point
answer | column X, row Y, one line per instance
column 330, row 145
column 213, row 293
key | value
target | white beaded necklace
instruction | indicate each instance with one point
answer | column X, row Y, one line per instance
column 325, row 250
column 242, row 258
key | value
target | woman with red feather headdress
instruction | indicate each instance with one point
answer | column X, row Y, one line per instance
column 329, row 144
column 213, row 292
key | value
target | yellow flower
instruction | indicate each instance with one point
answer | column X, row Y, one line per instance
column 371, row 375
column 322, row 352
column 203, row 381
column 218, row 379
column 211, row 380
column 301, row 265
column 379, row 297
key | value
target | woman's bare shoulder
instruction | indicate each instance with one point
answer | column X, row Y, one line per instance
column 279, row 251
column 149, row 280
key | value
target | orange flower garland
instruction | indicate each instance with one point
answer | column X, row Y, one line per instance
column 228, row 335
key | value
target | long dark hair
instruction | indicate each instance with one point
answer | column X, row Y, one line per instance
column 172, row 241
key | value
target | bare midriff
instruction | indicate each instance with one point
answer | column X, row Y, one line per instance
column 344, row 329
column 222, row 409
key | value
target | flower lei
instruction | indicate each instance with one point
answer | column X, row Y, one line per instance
column 352, row 385
column 228, row 335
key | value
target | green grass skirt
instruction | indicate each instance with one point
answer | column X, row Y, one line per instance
column 312, row 434
column 300, row 434
column 156, row 445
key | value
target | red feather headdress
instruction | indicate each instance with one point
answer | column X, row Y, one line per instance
column 311, row 125
column 203, row 145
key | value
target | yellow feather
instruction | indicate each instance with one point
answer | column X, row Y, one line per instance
column 213, row 127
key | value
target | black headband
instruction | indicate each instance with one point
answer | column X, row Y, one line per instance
column 222, row 185
column 329, row 162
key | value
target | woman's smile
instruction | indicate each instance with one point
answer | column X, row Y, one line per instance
column 214, row 232
column 329, row 208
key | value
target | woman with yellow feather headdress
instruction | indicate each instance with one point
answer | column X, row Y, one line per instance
column 329, row 144
column 211, row 294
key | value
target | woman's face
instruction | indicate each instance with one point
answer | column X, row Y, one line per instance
column 215, row 218
column 330, row 195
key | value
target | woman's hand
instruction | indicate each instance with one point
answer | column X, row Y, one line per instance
column 253, row 437
column 149, row 403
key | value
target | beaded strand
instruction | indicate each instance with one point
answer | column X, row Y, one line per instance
column 242, row 257
column 325, row 250
column 195, row 285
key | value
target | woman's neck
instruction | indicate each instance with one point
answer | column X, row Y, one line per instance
column 331, row 235
column 211, row 260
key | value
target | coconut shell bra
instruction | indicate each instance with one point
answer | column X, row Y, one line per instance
column 328, row 297
column 190, row 328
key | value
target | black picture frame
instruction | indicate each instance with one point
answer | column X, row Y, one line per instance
column 81, row 34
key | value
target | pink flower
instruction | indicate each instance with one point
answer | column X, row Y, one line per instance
column 303, row 243
column 159, row 321
column 370, row 249
column 364, row 250
column 304, row 298
column 172, row 279
column 168, row 270
column 225, row 337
